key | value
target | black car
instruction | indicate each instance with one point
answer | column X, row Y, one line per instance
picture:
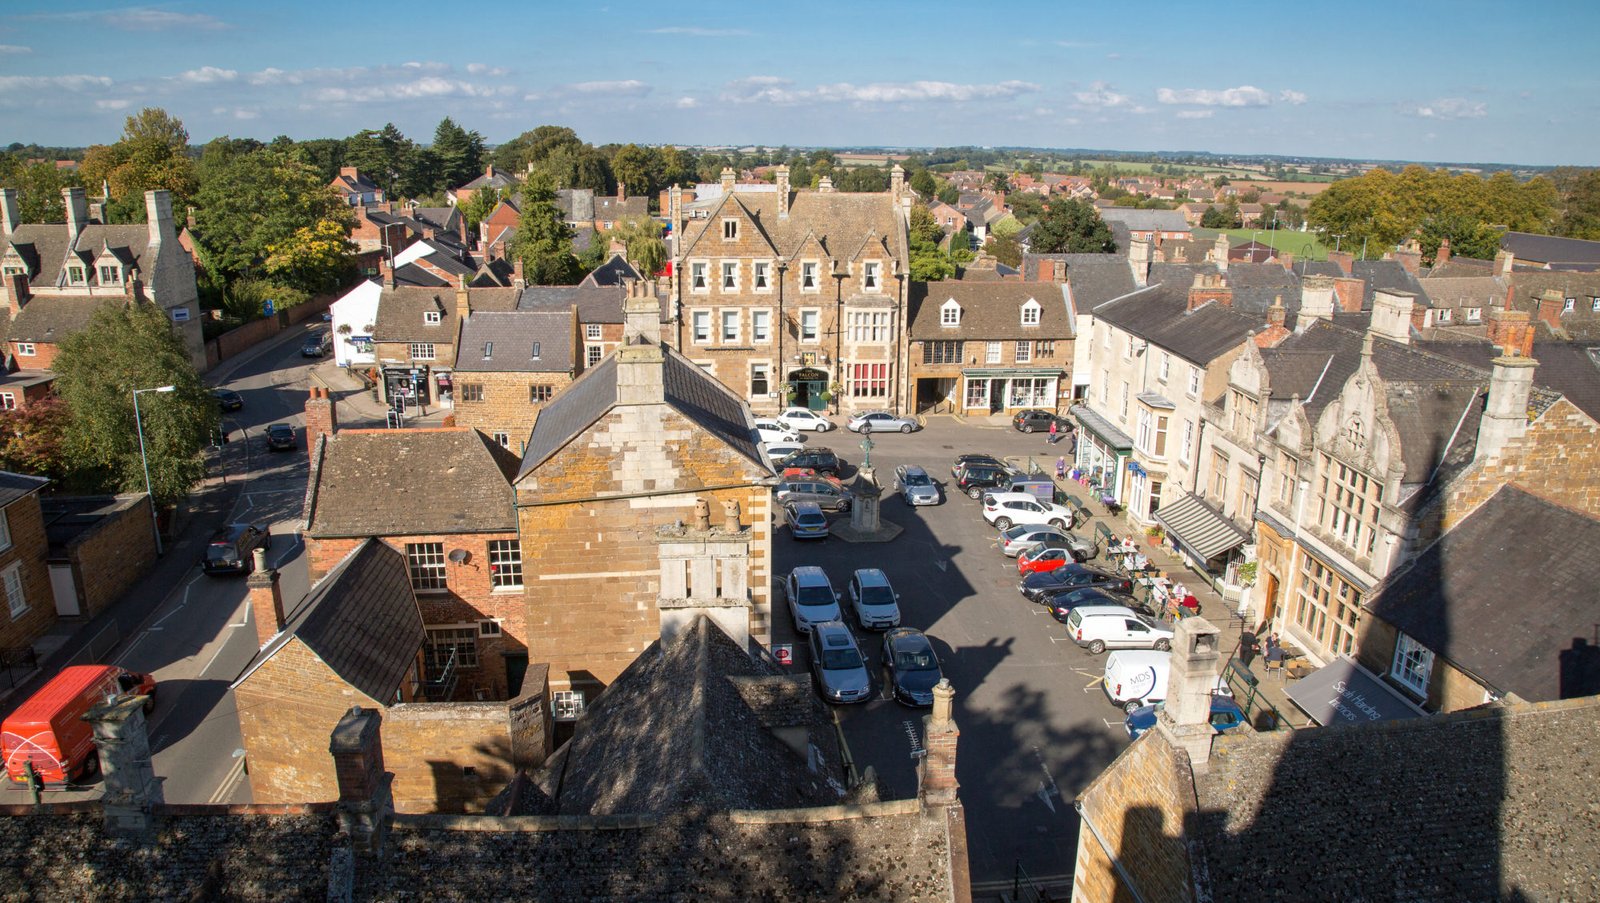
column 978, row 460
column 315, row 346
column 974, row 478
column 1041, row 585
column 280, row 437
column 227, row 399
column 1061, row 604
column 821, row 460
column 1036, row 420
column 912, row 666
column 231, row 549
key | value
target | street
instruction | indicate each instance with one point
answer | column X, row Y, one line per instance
column 1035, row 727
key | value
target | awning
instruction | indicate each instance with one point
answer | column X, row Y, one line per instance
column 1005, row 372
column 1343, row 692
column 1200, row 529
column 1101, row 427
column 1155, row 400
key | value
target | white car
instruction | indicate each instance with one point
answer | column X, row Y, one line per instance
column 1003, row 509
column 804, row 419
column 780, row 452
column 876, row 604
column 1101, row 627
column 769, row 430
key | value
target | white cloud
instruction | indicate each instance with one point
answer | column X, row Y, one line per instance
column 1196, row 114
column 9, row 49
column 1290, row 96
column 696, row 32
column 1242, row 96
column 485, row 69
column 687, row 103
column 207, row 75
column 1101, row 95
column 629, row 86
column 41, row 82
column 1448, row 108
column 146, row 19
column 111, row 104
column 773, row 90
column 427, row 87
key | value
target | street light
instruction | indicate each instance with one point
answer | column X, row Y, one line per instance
column 138, row 423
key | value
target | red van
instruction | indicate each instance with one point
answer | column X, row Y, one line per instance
column 49, row 731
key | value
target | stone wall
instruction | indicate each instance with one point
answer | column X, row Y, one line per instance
column 507, row 405
column 1449, row 688
column 1140, row 806
column 113, row 555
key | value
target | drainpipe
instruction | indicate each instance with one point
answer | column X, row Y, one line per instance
column 1199, row 443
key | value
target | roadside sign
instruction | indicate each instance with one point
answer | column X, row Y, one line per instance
column 784, row 654
column 180, row 314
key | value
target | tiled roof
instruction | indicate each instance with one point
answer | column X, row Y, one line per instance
column 361, row 619
column 1583, row 323
column 401, row 309
column 1551, row 249
column 1093, row 278
column 1141, row 220
column 571, row 412
column 1453, row 598
column 612, row 272
column 49, row 319
column 496, row 179
column 989, row 310
column 409, row 483
column 840, row 221
column 708, row 746
column 1159, row 313
column 14, row 486
column 576, row 203
column 413, row 276
column 611, row 209
column 1566, row 367
column 503, row 341
column 1464, row 291
column 44, row 246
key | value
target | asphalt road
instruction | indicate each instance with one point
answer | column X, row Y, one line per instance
column 1035, row 727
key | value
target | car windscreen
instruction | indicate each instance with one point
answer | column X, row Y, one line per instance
column 221, row 551
column 917, row 479
column 915, row 661
column 810, row 519
column 814, row 595
column 877, row 595
column 841, row 659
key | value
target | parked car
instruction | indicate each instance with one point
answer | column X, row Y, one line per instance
column 1006, row 508
column 1046, row 556
column 811, row 597
column 915, row 486
column 232, row 549
column 316, row 345
column 1022, row 537
column 881, row 422
column 804, row 419
column 1225, row 716
column 819, row 490
column 837, row 663
column 976, row 478
column 769, row 430
column 781, row 452
column 912, row 665
column 48, row 730
column 227, row 399
column 806, row 521
column 1101, row 627
column 1036, row 420
column 976, row 459
column 876, row 604
column 1038, row 587
column 819, row 459
column 280, row 437
column 1061, row 604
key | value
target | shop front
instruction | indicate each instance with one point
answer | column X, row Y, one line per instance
column 417, row 387
column 1102, row 456
column 1204, row 535
column 807, row 388
column 995, row 391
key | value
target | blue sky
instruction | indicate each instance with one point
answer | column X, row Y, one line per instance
column 1466, row 81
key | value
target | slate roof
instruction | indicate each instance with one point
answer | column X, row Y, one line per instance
column 401, row 310
column 1141, row 220
column 1565, row 367
column 613, row 272
column 610, row 209
column 410, row 483
column 1454, row 598
column 709, row 746
column 1348, row 813
column 446, row 217
column 358, row 184
column 414, row 276
column 1094, row 278
column 361, row 619
column 14, row 486
column 1583, row 323
column 1256, row 285
column 45, row 247
column 686, row 388
column 49, row 319
column 496, row 179
column 576, row 203
column 1456, row 292
column 1551, row 249
column 989, row 310
column 503, row 341
column 1159, row 313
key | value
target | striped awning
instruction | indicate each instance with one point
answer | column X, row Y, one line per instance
column 1200, row 529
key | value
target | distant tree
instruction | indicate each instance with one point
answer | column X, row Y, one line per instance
column 1581, row 216
column 1004, row 248
column 244, row 300
column 543, row 242
column 1469, row 236
column 478, row 207
column 641, row 237
column 152, row 154
column 38, row 188
column 259, row 201
column 922, row 183
column 382, row 155
column 534, row 146
column 639, row 168
column 123, row 348
column 326, row 155
column 1072, row 227
column 863, row 178
column 998, row 181
column 316, row 258
column 949, row 194
column 1026, row 206
column 33, row 439
column 459, row 152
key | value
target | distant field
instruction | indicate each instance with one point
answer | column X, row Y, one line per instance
column 1134, row 168
column 1301, row 244
column 1308, row 187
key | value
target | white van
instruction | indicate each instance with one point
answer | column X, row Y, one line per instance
column 1101, row 627
column 1136, row 677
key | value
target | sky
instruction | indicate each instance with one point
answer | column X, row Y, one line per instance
column 1466, row 81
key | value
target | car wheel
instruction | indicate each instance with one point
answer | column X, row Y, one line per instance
column 1133, row 705
column 905, row 427
column 844, row 505
column 1057, row 523
column 1002, row 523
column 973, row 492
column 1096, row 647
column 1027, row 427
column 1163, row 645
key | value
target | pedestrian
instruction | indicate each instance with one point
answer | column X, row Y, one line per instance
column 1061, row 467
column 1052, row 439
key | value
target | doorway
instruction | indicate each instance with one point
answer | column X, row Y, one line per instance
column 807, row 386
column 65, row 590
column 997, row 396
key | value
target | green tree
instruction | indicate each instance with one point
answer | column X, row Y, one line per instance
column 534, row 146
column 477, row 208
column 382, row 155
column 922, row 183
column 949, row 194
column 459, row 152
column 641, row 236
column 152, row 154
column 1004, row 248
column 1072, row 227
column 863, row 178
column 1026, row 206
column 123, row 348
column 38, row 188
column 1581, row 216
column 639, row 168
column 259, row 201
column 316, row 258
column 998, row 181
column 544, row 242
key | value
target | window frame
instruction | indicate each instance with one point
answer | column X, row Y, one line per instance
column 505, row 563
column 761, row 276
column 760, row 371
column 1195, row 381
column 760, row 326
column 700, row 327
column 725, row 335
column 872, row 276
column 432, row 318
column 427, row 575
column 566, row 705
column 593, row 355
column 423, row 351
column 1412, row 664
column 539, row 393
column 950, row 313
column 730, row 229
column 27, row 349
column 993, row 352
column 728, row 275
column 813, row 331
column 463, row 638
column 592, row 332
column 1023, row 351
column 16, row 601
column 699, row 277
column 810, row 272
column 5, row 531
column 471, row 392
column 1031, row 313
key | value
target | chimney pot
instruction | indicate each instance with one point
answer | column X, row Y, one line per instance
column 10, row 212
column 730, row 516
column 728, row 179
column 702, row 515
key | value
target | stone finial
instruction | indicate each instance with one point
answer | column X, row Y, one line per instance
column 702, row 514
column 730, row 516
column 944, row 696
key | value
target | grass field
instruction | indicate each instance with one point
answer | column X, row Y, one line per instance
column 1302, row 245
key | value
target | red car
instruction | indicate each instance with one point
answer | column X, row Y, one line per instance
column 1046, row 556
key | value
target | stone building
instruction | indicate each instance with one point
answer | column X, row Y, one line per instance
column 414, row 339
column 509, row 365
column 24, row 580
column 983, row 348
column 633, row 443
column 795, row 297
column 56, row 276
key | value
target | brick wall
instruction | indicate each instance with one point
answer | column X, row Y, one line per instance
column 113, row 555
column 43, row 357
column 1140, row 805
column 29, row 546
column 505, row 407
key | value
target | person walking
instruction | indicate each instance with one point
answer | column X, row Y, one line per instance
column 1052, row 438
column 1061, row 467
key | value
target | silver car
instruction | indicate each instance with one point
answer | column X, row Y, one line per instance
column 837, row 662
column 876, row 604
column 812, row 600
column 1022, row 537
column 806, row 521
column 881, row 422
column 915, row 486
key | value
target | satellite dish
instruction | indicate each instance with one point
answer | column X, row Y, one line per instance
column 460, row 556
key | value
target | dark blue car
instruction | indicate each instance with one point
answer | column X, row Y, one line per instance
column 912, row 665
column 1225, row 716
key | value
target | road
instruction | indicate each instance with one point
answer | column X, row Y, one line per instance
column 1035, row 728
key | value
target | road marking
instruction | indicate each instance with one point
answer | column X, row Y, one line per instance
column 221, row 647
column 225, row 789
column 1048, row 791
column 1094, row 683
column 941, row 564
column 1113, row 724
column 175, row 610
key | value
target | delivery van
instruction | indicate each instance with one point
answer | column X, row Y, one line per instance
column 49, row 731
column 1136, row 677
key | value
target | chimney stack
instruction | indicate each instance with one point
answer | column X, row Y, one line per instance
column 386, row 269
column 1286, row 260
column 1277, row 314
column 825, row 185
column 936, row 773
column 1058, row 272
column 783, row 191
column 1443, row 256
column 1344, row 259
column 77, row 205
column 728, row 178
column 675, row 212
column 322, row 416
column 1410, row 257
column 1504, row 261
column 1139, row 259
column 640, row 360
column 622, row 191
column 1505, row 416
column 1209, row 287
column 356, row 745
column 1511, row 331
column 1391, row 315
column 158, row 217
column 266, row 599
column 1316, row 301
column 1220, row 251
column 518, row 281
column 129, row 786
column 897, row 181
column 1551, row 303
column 10, row 212
column 1191, row 680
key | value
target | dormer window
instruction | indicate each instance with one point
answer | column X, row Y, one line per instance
column 77, row 276
column 1570, row 306
column 432, row 317
column 730, row 229
column 110, row 274
column 14, row 269
column 869, row 276
column 950, row 313
column 1030, row 313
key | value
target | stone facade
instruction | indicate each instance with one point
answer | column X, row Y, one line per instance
column 1133, row 820
column 505, row 404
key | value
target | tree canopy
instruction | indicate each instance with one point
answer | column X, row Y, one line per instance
column 459, row 153
column 261, row 201
column 152, row 154
column 543, row 241
column 1072, row 227
column 641, row 236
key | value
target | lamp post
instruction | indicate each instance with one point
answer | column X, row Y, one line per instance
column 138, row 422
